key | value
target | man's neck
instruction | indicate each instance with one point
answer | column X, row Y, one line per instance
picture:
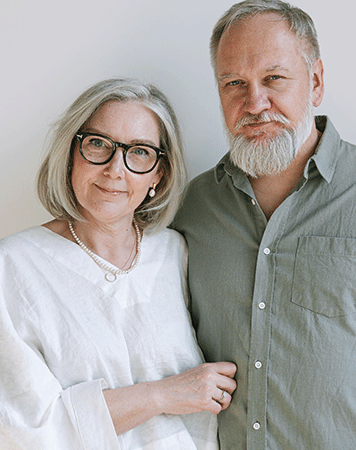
column 271, row 191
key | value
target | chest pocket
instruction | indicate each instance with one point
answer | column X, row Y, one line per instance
column 324, row 278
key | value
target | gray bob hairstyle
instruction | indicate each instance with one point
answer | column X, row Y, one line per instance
column 54, row 185
column 298, row 20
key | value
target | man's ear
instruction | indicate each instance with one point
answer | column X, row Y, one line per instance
column 318, row 82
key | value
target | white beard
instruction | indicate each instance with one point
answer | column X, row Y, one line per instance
column 271, row 155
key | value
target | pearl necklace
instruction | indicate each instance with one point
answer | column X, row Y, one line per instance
column 111, row 274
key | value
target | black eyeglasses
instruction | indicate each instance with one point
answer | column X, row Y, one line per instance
column 99, row 149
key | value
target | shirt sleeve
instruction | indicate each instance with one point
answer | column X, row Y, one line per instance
column 36, row 413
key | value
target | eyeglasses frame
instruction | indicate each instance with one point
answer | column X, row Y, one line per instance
column 126, row 147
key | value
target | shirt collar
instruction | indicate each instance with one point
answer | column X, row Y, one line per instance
column 325, row 156
column 327, row 151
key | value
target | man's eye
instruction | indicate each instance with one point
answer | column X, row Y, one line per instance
column 234, row 83
column 275, row 77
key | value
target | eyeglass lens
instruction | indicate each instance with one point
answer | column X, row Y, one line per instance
column 139, row 158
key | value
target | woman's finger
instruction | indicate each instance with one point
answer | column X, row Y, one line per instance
column 226, row 384
column 225, row 368
column 220, row 395
column 224, row 399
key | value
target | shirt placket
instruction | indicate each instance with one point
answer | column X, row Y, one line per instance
column 261, row 329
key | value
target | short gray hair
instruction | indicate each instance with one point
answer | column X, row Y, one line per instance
column 298, row 20
column 54, row 185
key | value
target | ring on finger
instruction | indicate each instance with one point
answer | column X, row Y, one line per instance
column 222, row 396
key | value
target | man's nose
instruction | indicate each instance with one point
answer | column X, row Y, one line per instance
column 256, row 99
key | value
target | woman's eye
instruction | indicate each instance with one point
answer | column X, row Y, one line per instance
column 97, row 143
column 140, row 151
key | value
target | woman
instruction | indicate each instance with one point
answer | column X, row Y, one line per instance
column 97, row 350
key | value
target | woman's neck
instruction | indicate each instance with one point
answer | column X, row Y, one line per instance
column 114, row 243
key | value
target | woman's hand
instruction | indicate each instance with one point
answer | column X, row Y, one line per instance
column 196, row 390
column 207, row 387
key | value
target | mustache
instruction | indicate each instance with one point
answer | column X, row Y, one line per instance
column 261, row 118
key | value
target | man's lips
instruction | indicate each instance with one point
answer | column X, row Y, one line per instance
column 257, row 124
column 261, row 126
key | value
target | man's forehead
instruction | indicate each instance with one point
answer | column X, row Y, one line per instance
column 258, row 43
column 257, row 29
column 255, row 21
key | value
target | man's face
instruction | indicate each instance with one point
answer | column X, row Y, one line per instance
column 265, row 86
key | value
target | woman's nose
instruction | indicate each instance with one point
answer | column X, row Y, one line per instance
column 116, row 167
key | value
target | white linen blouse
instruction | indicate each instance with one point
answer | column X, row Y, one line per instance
column 66, row 334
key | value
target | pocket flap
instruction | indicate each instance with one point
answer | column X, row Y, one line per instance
column 324, row 278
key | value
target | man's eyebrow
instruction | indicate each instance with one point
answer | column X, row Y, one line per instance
column 269, row 69
column 227, row 75
column 276, row 67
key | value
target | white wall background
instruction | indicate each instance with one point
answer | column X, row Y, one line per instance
column 52, row 50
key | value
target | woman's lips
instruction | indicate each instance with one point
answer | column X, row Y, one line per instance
column 110, row 191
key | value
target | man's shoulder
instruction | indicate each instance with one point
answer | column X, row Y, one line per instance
column 200, row 189
column 202, row 179
column 208, row 180
column 198, row 195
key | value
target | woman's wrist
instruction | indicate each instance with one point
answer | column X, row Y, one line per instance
column 132, row 405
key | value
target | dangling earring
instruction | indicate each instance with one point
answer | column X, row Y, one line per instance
column 152, row 191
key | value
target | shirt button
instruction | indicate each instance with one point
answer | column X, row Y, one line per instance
column 262, row 305
column 253, row 201
column 266, row 251
column 258, row 364
column 256, row 426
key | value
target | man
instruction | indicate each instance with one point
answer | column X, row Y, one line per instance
column 271, row 232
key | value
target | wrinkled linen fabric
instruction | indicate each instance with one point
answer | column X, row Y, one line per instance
column 66, row 334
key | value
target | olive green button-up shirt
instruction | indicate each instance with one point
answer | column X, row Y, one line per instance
column 278, row 298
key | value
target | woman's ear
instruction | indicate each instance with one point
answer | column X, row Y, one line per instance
column 159, row 174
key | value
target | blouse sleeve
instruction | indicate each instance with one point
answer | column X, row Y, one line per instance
column 36, row 413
